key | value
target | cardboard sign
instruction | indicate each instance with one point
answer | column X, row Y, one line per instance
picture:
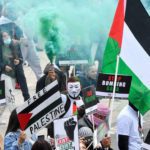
column 105, row 85
column 2, row 92
column 89, row 98
column 41, row 109
column 66, row 133
column 72, row 62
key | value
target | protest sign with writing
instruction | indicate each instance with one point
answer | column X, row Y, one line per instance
column 105, row 85
column 89, row 99
column 41, row 109
column 66, row 133
column 72, row 62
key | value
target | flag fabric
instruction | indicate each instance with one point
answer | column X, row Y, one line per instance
column 41, row 109
column 130, row 38
column 75, row 109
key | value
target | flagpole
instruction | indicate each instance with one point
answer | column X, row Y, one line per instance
column 111, row 102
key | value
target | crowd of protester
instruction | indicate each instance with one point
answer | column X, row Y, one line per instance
column 14, row 50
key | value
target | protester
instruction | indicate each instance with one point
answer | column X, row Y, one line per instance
column 72, row 101
column 99, row 117
column 86, row 137
column 15, row 139
column 50, row 74
column 28, row 49
column 89, row 77
column 60, row 74
column 11, row 65
column 41, row 145
column 128, row 129
column 82, row 144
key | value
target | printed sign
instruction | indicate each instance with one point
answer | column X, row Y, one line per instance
column 105, row 85
column 66, row 133
column 41, row 109
column 72, row 62
column 89, row 98
column 2, row 92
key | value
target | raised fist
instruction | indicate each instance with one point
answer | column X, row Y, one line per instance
column 69, row 127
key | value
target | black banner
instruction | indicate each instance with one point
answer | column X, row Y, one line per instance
column 89, row 98
column 105, row 85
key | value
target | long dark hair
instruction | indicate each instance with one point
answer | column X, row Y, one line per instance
column 13, row 123
column 41, row 145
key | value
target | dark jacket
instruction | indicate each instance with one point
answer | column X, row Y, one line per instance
column 41, row 84
column 16, row 53
column 18, row 69
column 60, row 77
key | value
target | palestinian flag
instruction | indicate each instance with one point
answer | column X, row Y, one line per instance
column 129, row 37
column 41, row 109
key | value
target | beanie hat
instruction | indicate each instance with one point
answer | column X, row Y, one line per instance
column 85, row 132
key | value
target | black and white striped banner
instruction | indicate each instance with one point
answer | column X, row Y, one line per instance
column 41, row 109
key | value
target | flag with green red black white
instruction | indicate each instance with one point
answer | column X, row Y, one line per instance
column 129, row 38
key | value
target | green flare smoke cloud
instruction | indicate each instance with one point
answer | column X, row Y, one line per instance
column 62, row 24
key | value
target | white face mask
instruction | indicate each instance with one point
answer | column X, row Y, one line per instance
column 7, row 41
column 74, row 89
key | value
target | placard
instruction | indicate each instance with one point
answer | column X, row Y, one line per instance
column 89, row 99
column 105, row 85
column 41, row 109
column 66, row 133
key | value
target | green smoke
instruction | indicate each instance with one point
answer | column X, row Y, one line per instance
column 49, row 31
column 66, row 25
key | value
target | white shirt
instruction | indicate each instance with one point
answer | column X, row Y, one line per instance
column 127, row 124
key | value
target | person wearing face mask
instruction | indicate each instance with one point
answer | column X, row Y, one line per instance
column 72, row 101
column 11, row 66
column 8, row 21
column 100, row 116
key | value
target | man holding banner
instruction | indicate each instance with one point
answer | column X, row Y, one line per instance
column 72, row 101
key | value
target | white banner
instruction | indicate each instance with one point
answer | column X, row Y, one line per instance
column 66, row 133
